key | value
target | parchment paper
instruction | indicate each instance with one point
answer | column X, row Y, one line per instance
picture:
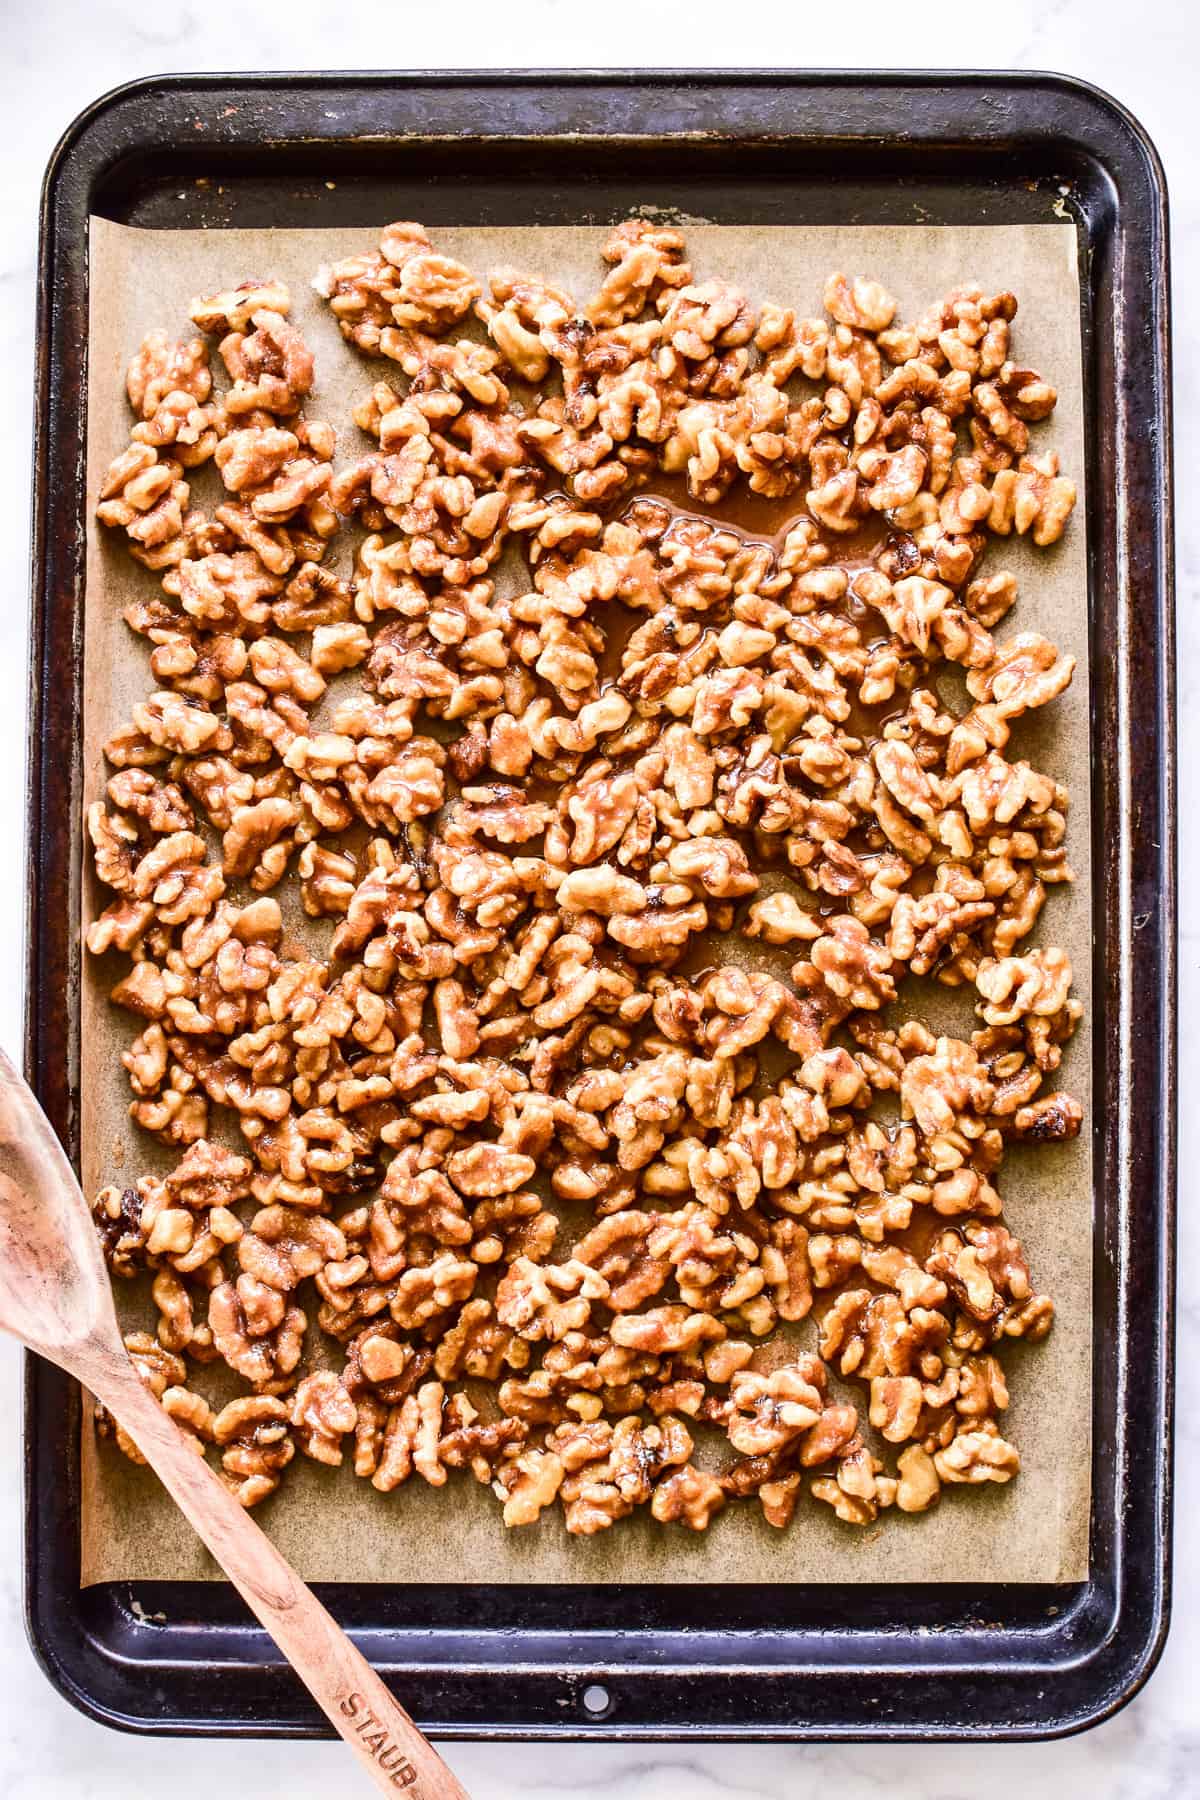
column 335, row 1527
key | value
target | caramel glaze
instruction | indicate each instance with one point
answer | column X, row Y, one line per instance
column 741, row 510
column 757, row 519
column 754, row 519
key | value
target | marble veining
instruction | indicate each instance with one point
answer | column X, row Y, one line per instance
column 58, row 55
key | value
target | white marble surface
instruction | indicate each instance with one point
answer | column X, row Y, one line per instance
column 59, row 54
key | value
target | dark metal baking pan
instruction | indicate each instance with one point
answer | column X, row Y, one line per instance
column 1010, row 1661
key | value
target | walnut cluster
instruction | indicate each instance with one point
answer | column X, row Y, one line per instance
column 592, row 1065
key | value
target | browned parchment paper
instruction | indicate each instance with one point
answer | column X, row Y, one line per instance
column 334, row 1527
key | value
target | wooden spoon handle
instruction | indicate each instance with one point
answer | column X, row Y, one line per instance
column 353, row 1698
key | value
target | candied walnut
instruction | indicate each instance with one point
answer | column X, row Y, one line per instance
column 259, row 1335
column 896, row 1402
column 271, row 366
column 984, row 1267
column 1049, row 1120
column 933, row 933
column 176, row 1328
column 912, row 606
column 322, row 1414
column 839, row 503
column 250, row 458
column 233, row 309
column 602, row 890
column 208, row 1175
column 157, row 1367
column 1038, row 982
column 284, row 1244
column 194, row 1416
column 612, row 1469
column 664, row 1329
column 779, row 918
column 938, row 1089
column 778, row 1499
column 717, row 865
column 1034, row 497
column 179, row 724
column 161, row 368
column 859, row 1328
column 619, row 1251
column 529, row 1485
column 976, row 1456
column 1024, row 391
column 660, row 928
column 430, row 1289
column 895, row 479
column 919, row 1484
column 690, row 1497
column 770, row 1411
column 479, row 1346
column 833, row 1431
column 115, row 847
column 699, row 318
column 858, row 302
column 256, row 1446
column 380, row 1366
column 228, row 590
column 787, row 1270
column 251, row 843
column 489, row 1169
column 433, row 291
column 474, row 1445
column 328, row 880
column 548, row 1300
column 859, row 1490
column 853, row 966
column 645, row 258
column 145, row 496
column 412, row 1440
column 118, row 1216
column 713, row 1269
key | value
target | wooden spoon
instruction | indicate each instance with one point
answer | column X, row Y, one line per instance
column 55, row 1297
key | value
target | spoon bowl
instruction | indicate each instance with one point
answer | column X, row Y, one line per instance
column 54, row 1291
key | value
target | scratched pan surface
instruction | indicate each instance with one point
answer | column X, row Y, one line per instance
column 853, row 148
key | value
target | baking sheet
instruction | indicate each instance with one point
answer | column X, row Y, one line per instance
column 334, row 1527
